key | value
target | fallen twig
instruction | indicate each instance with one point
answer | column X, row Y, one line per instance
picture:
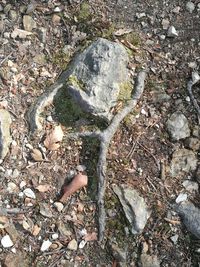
column 194, row 101
column 5, row 58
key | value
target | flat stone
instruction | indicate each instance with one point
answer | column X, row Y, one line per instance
column 28, row 192
column 45, row 210
column 183, row 160
column 28, row 23
column 5, row 138
column 191, row 217
column 72, row 245
column 191, row 186
column 181, row 197
column 56, row 19
column 134, row 206
column 13, row 15
column 177, row 126
column 149, row 260
column 171, row 32
column 190, row 7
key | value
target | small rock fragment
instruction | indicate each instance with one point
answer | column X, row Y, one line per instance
column 191, row 217
column 45, row 210
column 183, row 160
column 81, row 168
column 82, row 244
column 12, row 187
column 5, row 138
column 193, row 143
column 6, row 242
column 172, row 32
column 195, row 77
column 134, row 206
column 147, row 260
column 45, row 245
column 55, row 236
column 190, row 7
column 165, row 24
column 72, row 245
column 56, row 19
column 59, row 206
column 181, row 197
column 174, row 238
column 28, row 23
column 191, row 186
column 178, row 127
column 29, row 193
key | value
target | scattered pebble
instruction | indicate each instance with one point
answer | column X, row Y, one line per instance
column 191, row 186
column 190, row 7
column 22, row 184
column 29, row 193
column 59, row 206
column 11, row 187
column 45, row 245
column 6, row 242
column 55, row 236
column 195, row 77
column 174, row 239
column 82, row 244
column 181, row 197
column 81, row 168
column 72, row 245
column 172, row 32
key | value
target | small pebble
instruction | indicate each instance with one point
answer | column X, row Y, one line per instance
column 22, row 184
column 45, row 245
column 59, row 206
column 6, row 242
column 11, row 187
column 181, row 197
column 190, row 7
column 82, row 244
column 172, row 32
column 29, row 193
column 174, row 238
column 81, row 168
column 72, row 245
column 54, row 236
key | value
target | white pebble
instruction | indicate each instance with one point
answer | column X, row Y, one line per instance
column 82, row 244
column 45, row 245
column 59, row 206
column 11, row 187
column 190, row 7
column 6, row 242
column 187, row 98
column 54, row 236
column 181, row 197
column 22, row 184
column 29, row 193
column 172, row 32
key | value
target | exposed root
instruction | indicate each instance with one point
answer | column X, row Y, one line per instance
column 194, row 101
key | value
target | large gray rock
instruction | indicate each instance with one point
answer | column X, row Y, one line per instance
column 96, row 76
column 177, row 125
column 191, row 217
column 5, row 138
column 93, row 79
column 183, row 160
column 134, row 206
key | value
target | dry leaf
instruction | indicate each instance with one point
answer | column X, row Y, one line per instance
column 43, row 188
column 53, row 138
column 90, row 236
column 121, row 32
column 36, row 230
column 36, row 155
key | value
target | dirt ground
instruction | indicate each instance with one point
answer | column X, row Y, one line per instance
column 29, row 64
